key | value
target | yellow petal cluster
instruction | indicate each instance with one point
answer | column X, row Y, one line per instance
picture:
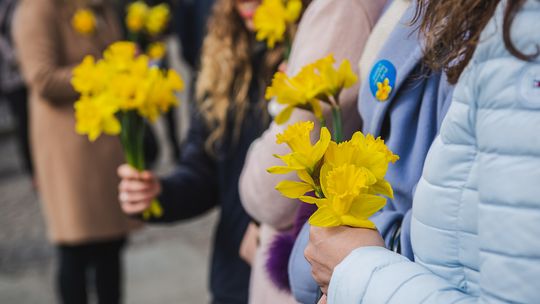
column 136, row 16
column 346, row 181
column 141, row 17
column 346, row 199
column 304, row 159
column 272, row 18
column 121, row 81
column 95, row 116
column 158, row 18
column 84, row 22
column 315, row 82
column 156, row 50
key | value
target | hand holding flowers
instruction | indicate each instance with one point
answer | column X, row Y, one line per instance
column 137, row 190
column 117, row 93
column 328, row 247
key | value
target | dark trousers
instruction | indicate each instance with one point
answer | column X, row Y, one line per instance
column 100, row 261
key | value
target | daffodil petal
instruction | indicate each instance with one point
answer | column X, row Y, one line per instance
column 305, row 177
column 284, row 115
column 316, row 108
column 311, row 200
column 383, row 187
column 348, row 78
column 292, row 189
column 351, row 221
column 319, row 149
column 324, row 217
column 365, row 205
column 323, row 178
column 280, row 170
column 112, row 126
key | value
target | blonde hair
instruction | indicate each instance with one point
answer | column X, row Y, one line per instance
column 226, row 72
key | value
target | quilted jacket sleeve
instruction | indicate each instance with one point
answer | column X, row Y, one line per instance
column 505, row 112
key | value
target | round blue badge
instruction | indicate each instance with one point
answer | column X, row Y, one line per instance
column 382, row 79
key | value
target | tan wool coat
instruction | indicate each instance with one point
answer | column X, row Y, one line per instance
column 76, row 179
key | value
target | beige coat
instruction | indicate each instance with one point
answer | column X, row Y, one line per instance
column 76, row 178
column 339, row 27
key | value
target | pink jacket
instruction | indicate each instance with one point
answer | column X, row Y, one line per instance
column 338, row 27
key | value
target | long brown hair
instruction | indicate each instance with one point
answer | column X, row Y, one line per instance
column 226, row 71
column 452, row 31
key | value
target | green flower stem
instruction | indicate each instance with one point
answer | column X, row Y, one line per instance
column 132, row 138
column 337, row 123
column 289, row 38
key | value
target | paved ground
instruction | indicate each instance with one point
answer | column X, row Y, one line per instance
column 164, row 265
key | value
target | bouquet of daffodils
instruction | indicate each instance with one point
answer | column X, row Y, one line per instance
column 274, row 20
column 117, row 93
column 344, row 179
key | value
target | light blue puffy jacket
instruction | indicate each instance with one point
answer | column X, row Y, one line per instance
column 475, row 226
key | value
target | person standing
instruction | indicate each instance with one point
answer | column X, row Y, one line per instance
column 475, row 214
column 229, row 113
column 77, row 178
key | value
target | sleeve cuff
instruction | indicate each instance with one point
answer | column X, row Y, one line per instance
column 353, row 275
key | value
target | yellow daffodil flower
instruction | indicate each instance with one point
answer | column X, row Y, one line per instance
column 304, row 159
column 272, row 18
column 95, row 116
column 136, row 16
column 161, row 96
column 383, row 90
column 336, row 79
column 346, row 199
column 315, row 82
column 367, row 152
column 300, row 91
column 85, row 79
column 129, row 83
column 120, row 56
column 156, row 50
column 304, row 156
column 84, row 22
column 157, row 19
column 376, row 144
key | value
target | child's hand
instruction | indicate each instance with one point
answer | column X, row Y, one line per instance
column 137, row 189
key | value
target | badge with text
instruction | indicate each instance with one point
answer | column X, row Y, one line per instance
column 382, row 80
column 530, row 86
